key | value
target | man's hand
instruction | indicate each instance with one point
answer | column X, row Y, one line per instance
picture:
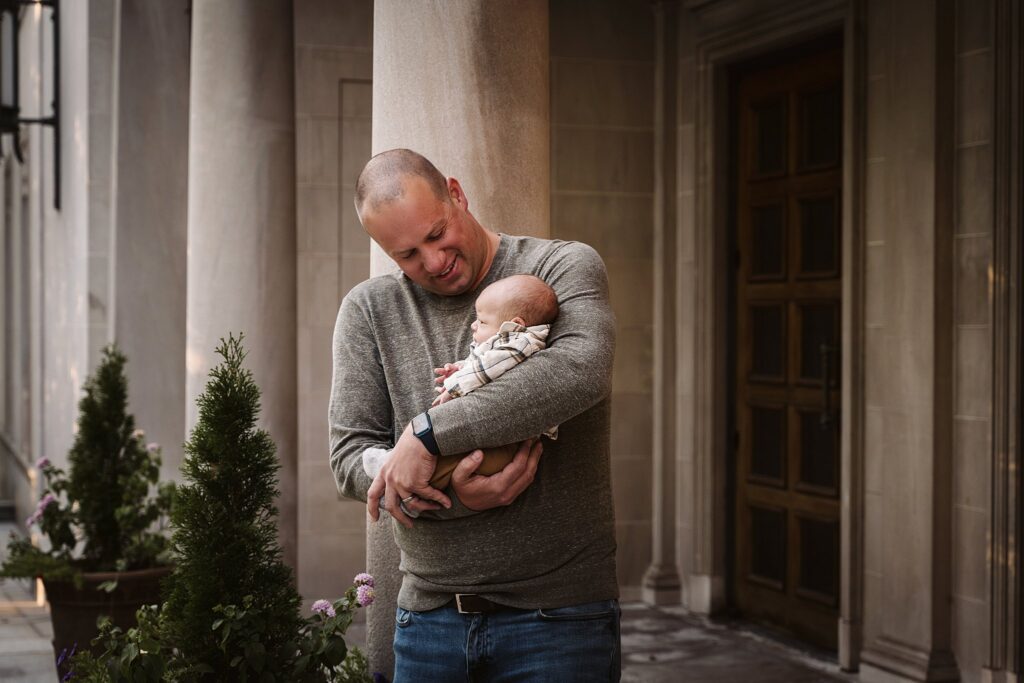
column 478, row 492
column 406, row 473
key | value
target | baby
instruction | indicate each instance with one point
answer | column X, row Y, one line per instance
column 513, row 319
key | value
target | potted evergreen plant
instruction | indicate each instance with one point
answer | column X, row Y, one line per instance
column 101, row 526
column 232, row 610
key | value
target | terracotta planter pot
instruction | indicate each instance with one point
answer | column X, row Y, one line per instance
column 74, row 610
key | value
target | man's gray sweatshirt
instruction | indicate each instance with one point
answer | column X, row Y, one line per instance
column 555, row 544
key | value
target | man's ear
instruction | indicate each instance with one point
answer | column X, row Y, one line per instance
column 456, row 193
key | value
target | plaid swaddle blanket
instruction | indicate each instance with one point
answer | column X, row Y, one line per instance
column 488, row 360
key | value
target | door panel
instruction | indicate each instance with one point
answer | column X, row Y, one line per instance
column 788, row 306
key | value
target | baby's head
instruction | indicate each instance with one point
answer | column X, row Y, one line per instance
column 524, row 299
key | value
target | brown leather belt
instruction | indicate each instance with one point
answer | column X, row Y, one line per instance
column 471, row 603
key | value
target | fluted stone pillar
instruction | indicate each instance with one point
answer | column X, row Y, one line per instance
column 661, row 580
column 465, row 83
column 241, row 213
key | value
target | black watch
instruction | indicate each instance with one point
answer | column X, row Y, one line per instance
column 423, row 429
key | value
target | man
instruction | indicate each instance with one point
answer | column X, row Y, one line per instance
column 513, row 576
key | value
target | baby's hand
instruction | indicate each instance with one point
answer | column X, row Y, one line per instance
column 444, row 373
column 443, row 397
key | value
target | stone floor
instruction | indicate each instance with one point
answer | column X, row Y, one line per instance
column 26, row 654
column 659, row 645
column 669, row 645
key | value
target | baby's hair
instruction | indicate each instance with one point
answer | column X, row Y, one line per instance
column 530, row 298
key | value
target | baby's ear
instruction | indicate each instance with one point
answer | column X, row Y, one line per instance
column 519, row 321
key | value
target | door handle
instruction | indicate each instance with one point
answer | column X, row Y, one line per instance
column 826, row 419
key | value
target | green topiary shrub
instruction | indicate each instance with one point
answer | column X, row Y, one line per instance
column 101, row 517
column 231, row 611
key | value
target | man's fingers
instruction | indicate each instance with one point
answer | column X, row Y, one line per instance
column 373, row 496
column 418, row 505
column 514, row 470
column 534, row 460
column 430, row 493
column 467, row 466
column 527, row 460
column 394, row 507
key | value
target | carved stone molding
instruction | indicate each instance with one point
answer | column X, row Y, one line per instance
column 661, row 580
column 1005, row 510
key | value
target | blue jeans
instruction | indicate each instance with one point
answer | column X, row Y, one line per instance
column 565, row 644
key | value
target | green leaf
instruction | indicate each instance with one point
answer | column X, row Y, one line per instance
column 335, row 651
column 108, row 586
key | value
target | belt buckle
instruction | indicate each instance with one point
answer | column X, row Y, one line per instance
column 458, row 603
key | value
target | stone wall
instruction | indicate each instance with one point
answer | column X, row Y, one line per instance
column 602, row 165
column 333, row 67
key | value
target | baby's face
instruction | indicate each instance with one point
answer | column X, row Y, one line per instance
column 488, row 318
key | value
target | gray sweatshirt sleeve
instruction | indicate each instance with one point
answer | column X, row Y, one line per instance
column 360, row 409
column 557, row 383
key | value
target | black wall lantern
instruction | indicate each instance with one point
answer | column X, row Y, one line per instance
column 10, row 109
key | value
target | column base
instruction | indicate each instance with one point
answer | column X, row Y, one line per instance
column 661, row 585
column 889, row 661
column 706, row 593
column 849, row 644
column 999, row 676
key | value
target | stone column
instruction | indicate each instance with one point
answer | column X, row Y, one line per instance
column 241, row 213
column 661, row 580
column 149, row 207
column 465, row 83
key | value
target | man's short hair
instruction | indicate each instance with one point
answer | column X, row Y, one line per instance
column 382, row 179
column 528, row 297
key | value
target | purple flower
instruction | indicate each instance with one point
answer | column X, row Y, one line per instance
column 364, row 595
column 153, row 446
column 363, row 579
column 42, row 462
column 323, row 607
column 41, row 506
column 65, row 657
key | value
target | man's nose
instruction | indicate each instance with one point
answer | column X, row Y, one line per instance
column 434, row 261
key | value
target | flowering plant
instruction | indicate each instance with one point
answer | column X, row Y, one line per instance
column 147, row 653
column 101, row 516
column 231, row 610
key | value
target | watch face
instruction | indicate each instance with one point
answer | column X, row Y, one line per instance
column 420, row 424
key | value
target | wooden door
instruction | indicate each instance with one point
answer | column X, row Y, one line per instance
column 788, row 288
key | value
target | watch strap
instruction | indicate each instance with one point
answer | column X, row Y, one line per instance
column 426, row 436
